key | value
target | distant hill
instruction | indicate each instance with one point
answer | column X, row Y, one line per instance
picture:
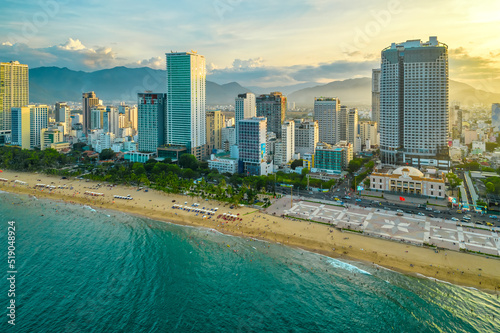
column 350, row 92
column 358, row 92
column 53, row 84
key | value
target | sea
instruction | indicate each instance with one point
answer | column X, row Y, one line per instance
column 80, row 269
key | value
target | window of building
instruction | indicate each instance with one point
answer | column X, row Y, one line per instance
column 432, row 192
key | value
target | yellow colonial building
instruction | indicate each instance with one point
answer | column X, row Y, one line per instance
column 409, row 180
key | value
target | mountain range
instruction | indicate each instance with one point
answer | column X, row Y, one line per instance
column 53, row 84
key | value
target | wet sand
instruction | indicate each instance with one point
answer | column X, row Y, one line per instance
column 459, row 268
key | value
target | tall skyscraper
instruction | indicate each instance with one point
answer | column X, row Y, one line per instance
column 376, row 95
column 151, row 121
column 285, row 147
column 215, row 123
column 27, row 124
column 88, row 101
column 306, row 136
column 63, row 113
column 244, row 107
column 273, row 107
column 185, row 116
column 252, row 145
column 14, row 90
column 414, row 103
column 495, row 116
column 21, row 127
column 326, row 113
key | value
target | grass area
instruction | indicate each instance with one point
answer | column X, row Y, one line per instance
column 306, row 220
column 351, row 230
column 429, row 204
column 480, row 253
column 371, row 196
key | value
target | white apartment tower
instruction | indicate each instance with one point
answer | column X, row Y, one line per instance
column 414, row 103
column 185, row 112
column 326, row 113
column 244, row 108
column 306, row 136
column 285, row 148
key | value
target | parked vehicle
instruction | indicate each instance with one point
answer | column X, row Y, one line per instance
column 421, row 214
column 399, row 211
column 454, row 219
column 428, row 208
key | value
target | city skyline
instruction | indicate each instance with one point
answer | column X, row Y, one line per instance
column 245, row 50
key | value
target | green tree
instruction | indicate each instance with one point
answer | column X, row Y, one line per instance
column 453, row 180
column 106, row 154
column 297, row 163
column 188, row 161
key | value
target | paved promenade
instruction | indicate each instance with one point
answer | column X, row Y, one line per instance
column 386, row 224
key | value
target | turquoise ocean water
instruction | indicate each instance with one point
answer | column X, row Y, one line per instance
column 82, row 270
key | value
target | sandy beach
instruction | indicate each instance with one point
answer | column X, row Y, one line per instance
column 452, row 266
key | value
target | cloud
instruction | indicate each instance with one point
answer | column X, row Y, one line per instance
column 253, row 72
column 154, row 62
column 72, row 54
column 481, row 72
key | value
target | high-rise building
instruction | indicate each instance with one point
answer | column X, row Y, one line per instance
column 273, row 107
column 326, row 113
column 63, row 114
column 14, row 90
column 97, row 117
column 306, row 136
column 185, row 116
column 228, row 137
column 110, row 120
column 495, row 116
column 88, row 101
column 21, row 127
column 414, row 103
column 244, row 107
column 151, row 122
column 252, row 145
column 368, row 131
column 376, row 95
column 215, row 123
column 39, row 118
column 352, row 129
column 285, row 147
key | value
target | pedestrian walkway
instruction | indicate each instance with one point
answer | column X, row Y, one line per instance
column 386, row 224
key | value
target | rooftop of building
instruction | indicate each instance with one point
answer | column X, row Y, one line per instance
column 409, row 171
column 326, row 99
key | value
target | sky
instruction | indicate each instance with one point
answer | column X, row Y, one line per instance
column 256, row 43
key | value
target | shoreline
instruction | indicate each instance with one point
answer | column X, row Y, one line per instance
column 463, row 269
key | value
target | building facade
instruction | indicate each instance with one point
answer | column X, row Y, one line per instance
column 306, row 136
column 408, row 180
column 151, row 122
column 223, row 164
column 63, row 115
column 185, row 120
column 327, row 114
column 285, row 148
column 88, row 101
column 368, row 131
column 414, row 102
column 376, row 95
column 333, row 157
column 495, row 116
column 215, row 123
column 20, row 120
column 244, row 107
column 14, row 90
column 273, row 108
column 252, row 145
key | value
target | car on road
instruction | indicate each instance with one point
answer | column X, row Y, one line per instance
column 399, row 211
column 454, row 219
column 437, row 212
column 399, row 214
column 489, row 224
column 421, row 214
column 465, row 221
column 409, row 212
column 347, row 197
column 493, row 217
column 430, row 215
column 358, row 200
column 428, row 208
column 466, row 218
